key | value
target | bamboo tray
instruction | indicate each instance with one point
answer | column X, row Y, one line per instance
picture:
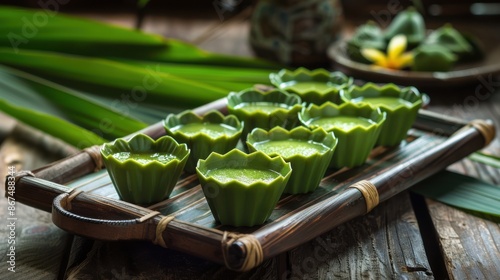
column 90, row 206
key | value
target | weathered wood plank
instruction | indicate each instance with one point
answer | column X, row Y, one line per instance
column 384, row 244
column 143, row 260
column 470, row 245
column 39, row 244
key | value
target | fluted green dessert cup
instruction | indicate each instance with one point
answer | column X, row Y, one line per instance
column 308, row 151
column 264, row 109
column 212, row 132
column 313, row 86
column 143, row 170
column 242, row 189
column 357, row 128
column 400, row 104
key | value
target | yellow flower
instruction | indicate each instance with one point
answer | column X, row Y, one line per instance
column 396, row 58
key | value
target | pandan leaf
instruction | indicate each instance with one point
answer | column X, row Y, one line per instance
column 462, row 191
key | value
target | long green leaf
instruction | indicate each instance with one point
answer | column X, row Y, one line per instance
column 487, row 159
column 228, row 78
column 45, row 29
column 50, row 30
column 209, row 73
column 54, row 126
column 148, row 113
column 77, row 107
column 462, row 191
column 21, row 94
column 114, row 79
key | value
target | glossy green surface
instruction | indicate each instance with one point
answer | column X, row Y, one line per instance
column 291, row 147
column 345, row 123
column 210, row 129
column 144, row 158
column 310, row 86
column 266, row 107
column 246, row 176
column 392, row 102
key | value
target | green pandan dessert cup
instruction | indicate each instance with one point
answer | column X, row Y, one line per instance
column 143, row 170
column 213, row 132
column 400, row 104
column 264, row 109
column 357, row 128
column 316, row 86
column 308, row 151
column 242, row 189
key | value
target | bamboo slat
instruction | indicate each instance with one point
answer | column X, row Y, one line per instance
column 432, row 145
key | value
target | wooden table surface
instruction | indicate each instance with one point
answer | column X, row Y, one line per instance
column 407, row 237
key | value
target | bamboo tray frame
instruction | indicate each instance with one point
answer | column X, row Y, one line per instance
column 184, row 222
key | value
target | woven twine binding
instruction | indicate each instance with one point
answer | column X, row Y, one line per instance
column 23, row 173
column 253, row 249
column 487, row 131
column 71, row 195
column 369, row 192
column 95, row 154
column 160, row 228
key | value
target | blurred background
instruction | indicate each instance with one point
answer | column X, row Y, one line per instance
column 203, row 21
column 217, row 26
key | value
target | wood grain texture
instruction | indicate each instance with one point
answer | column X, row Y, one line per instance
column 470, row 245
column 384, row 244
column 39, row 244
column 142, row 260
